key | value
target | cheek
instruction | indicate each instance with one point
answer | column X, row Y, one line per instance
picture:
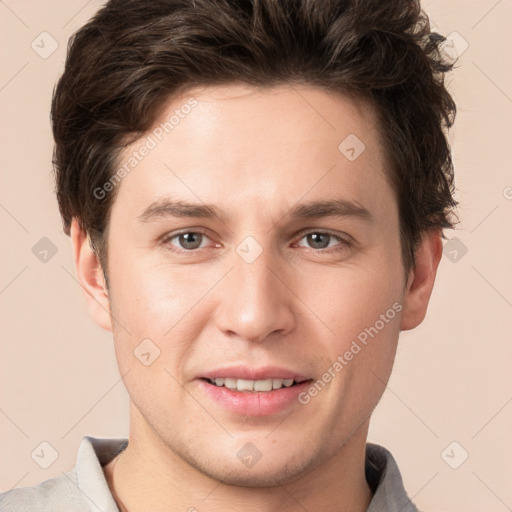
column 152, row 335
column 351, row 303
column 159, row 310
column 366, row 323
column 152, row 298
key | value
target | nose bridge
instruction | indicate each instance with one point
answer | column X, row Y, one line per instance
column 254, row 302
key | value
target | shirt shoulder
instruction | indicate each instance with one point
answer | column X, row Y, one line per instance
column 83, row 489
column 385, row 480
column 59, row 494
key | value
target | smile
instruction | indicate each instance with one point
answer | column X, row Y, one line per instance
column 264, row 397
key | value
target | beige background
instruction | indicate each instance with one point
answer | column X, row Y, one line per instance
column 452, row 380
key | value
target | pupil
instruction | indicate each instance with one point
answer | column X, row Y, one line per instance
column 190, row 240
column 319, row 240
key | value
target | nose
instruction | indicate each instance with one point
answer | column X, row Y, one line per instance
column 255, row 300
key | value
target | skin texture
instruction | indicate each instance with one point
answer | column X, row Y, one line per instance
column 254, row 154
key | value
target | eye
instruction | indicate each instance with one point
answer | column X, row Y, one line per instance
column 323, row 240
column 187, row 241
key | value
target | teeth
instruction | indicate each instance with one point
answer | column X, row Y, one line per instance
column 245, row 385
column 263, row 385
column 230, row 383
column 252, row 385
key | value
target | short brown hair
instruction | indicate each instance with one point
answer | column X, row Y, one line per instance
column 133, row 55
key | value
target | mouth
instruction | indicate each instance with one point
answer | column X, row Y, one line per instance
column 254, row 392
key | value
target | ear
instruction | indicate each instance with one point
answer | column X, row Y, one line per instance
column 421, row 279
column 91, row 278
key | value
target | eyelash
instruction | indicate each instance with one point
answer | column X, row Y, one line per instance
column 344, row 243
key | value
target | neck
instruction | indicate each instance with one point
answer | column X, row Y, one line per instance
column 150, row 476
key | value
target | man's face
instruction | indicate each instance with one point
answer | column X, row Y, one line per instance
column 262, row 291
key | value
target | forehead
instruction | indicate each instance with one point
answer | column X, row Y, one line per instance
column 240, row 145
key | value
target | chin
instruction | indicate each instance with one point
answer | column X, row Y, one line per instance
column 265, row 472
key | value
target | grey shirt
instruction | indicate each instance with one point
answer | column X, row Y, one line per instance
column 85, row 489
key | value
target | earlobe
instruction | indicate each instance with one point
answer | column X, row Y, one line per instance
column 91, row 278
column 421, row 280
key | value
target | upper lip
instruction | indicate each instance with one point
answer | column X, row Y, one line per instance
column 251, row 373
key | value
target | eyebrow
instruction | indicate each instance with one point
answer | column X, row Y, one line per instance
column 332, row 208
column 164, row 208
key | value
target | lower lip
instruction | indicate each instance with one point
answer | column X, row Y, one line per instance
column 254, row 403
